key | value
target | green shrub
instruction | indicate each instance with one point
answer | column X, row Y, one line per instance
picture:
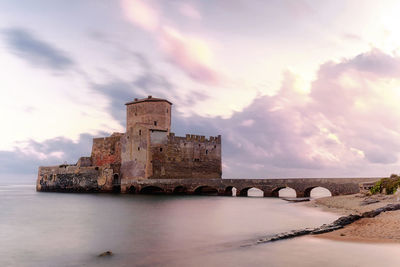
column 389, row 184
column 377, row 188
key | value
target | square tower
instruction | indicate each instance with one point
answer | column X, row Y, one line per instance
column 151, row 113
column 144, row 116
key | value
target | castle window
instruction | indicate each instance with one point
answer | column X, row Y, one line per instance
column 215, row 146
column 206, row 152
column 155, row 123
column 140, row 132
column 135, row 114
column 160, row 149
column 167, row 110
column 138, row 148
column 199, row 145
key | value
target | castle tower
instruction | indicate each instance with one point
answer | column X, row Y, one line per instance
column 151, row 113
column 145, row 118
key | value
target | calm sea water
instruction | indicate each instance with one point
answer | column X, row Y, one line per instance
column 55, row 229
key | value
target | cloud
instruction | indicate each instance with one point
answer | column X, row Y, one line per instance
column 190, row 11
column 26, row 158
column 37, row 52
column 346, row 125
column 147, row 82
column 190, row 54
column 141, row 14
column 377, row 62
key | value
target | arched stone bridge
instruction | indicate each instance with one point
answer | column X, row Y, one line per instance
column 223, row 187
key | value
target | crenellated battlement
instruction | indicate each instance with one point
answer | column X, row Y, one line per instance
column 197, row 138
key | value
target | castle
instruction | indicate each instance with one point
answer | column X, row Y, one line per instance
column 147, row 150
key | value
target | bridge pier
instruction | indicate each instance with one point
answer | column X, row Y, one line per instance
column 300, row 194
column 267, row 193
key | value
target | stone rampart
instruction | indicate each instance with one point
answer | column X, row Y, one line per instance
column 74, row 178
column 193, row 156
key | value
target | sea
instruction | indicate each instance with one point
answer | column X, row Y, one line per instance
column 67, row 229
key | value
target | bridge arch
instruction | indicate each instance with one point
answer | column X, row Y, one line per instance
column 152, row 190
column 206, row 190
column 291, row 191
column 258, row 192
column 230, row 191
column 323, row 191
column 179, row 190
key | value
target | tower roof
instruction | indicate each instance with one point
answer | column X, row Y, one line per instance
column 148, row 99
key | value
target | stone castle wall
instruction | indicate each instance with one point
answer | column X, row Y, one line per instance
column 192, row 156
column 106, row 151
column 74, row 178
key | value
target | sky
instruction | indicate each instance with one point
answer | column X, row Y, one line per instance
column 296, row 88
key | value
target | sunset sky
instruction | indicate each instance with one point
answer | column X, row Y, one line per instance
column 296, row 88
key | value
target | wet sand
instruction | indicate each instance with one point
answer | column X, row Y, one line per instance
column 384, row 228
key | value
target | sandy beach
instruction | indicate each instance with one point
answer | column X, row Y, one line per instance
column 384, row 228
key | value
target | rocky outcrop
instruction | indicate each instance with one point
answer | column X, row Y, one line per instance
column 338, row 224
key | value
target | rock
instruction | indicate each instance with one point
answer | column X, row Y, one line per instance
column 369, row 201
column 338, row 224
column 345, row 220
column 296, row 199
column 106, row 253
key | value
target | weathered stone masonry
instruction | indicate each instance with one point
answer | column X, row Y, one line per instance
column 148, row 150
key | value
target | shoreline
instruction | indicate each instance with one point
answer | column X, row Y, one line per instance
column 383, row 228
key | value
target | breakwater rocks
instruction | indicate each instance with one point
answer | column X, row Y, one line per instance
column 338, row 224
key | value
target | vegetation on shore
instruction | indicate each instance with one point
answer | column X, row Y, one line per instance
column 386, row 185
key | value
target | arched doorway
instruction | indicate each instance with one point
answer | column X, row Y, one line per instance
column 180, row 190
column 230, row 191
column 132, row 190
column 116, row 184
column 206, row 190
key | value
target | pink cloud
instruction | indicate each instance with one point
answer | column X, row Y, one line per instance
column 189, row 11
column 190, row 54
column 141, row 14
column 348, row 125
